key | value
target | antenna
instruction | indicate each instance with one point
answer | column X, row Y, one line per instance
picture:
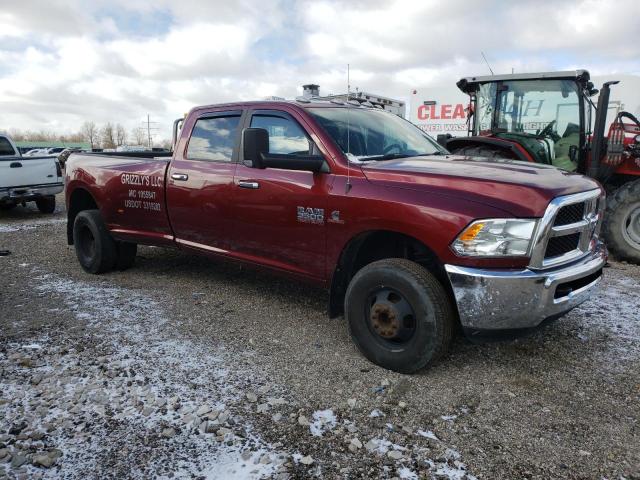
column 347, row 187
column 485, row 61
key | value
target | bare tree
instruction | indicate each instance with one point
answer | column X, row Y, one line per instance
column 17, row 135
column 76, row 137
column 90, row 133
column 108, row 136
column 139, row 135
column 166, row 144
column 121, row 135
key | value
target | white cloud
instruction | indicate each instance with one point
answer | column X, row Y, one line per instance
column 66, row 61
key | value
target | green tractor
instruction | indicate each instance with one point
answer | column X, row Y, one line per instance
column 547, row 118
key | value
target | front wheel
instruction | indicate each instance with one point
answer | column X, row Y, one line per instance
column 622, row 222
column 399, row 315
column 46, row 204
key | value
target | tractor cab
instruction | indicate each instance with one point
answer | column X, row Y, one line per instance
column 542, row 117
column 547, row 118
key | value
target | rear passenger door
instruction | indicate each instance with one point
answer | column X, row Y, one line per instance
column 200, row 182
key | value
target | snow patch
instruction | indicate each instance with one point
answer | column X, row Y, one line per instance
column 145, row 381
column 230, row 465
column 428, row 434
column 614, row 311
column 323, row 420
column 457, row 471
column 30, row 225
column 407, row 473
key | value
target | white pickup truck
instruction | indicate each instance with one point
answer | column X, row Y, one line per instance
column 27, row 179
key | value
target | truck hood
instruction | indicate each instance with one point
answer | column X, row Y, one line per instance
column 522, row 189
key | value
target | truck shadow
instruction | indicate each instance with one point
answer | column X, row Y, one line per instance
column 267, row 291
column 184, row 266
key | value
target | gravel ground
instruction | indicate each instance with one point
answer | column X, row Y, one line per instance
column 183, row 367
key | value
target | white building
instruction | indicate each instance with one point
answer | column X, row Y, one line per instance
column 441, row 110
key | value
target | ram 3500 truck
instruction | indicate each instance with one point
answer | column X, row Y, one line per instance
column 27, row 179
column 409, row 240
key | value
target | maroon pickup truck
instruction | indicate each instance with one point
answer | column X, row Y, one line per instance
column 410, row 241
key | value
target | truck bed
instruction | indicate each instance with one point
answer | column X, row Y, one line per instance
column 135, row 209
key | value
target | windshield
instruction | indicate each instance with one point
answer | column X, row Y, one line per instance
column 528, row 106
column 366, row 134
column 542, row 115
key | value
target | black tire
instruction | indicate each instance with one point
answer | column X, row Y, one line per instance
column 46, row 204
column 95, row 248
column 5, row 207
column 621, row 229
column 478, row 151
column 126, row 253
column 431, row 320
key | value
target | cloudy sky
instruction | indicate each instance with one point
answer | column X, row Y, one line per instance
column 66, row 61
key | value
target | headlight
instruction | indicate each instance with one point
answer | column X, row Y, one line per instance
column 496, row 237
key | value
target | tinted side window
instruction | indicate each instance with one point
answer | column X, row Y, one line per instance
column 285, row 136
column 213, row 139
column 5, row 147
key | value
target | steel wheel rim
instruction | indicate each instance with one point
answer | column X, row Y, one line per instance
column 390, row 317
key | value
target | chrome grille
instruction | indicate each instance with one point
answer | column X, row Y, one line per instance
column 570, row 214
column 567, row 229
column 560, row 245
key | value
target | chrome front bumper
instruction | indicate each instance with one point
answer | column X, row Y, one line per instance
column 515, row 299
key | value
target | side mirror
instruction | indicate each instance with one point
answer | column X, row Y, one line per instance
column 256, row 150
column 255, row 142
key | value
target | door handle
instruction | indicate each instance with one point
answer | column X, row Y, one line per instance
column 245, row 184
column 180, row 176
column 15, row 165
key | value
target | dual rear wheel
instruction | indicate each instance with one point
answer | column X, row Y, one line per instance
column 96, row 249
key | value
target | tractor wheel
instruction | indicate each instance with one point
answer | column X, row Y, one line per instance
column 622, row 222
column 480, row 151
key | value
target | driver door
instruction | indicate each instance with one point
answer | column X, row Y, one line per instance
column 272, row 225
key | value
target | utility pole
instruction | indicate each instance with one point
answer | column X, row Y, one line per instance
column 150, row 127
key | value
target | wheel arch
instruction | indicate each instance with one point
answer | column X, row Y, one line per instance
column 372, row 245
column 80, row 199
